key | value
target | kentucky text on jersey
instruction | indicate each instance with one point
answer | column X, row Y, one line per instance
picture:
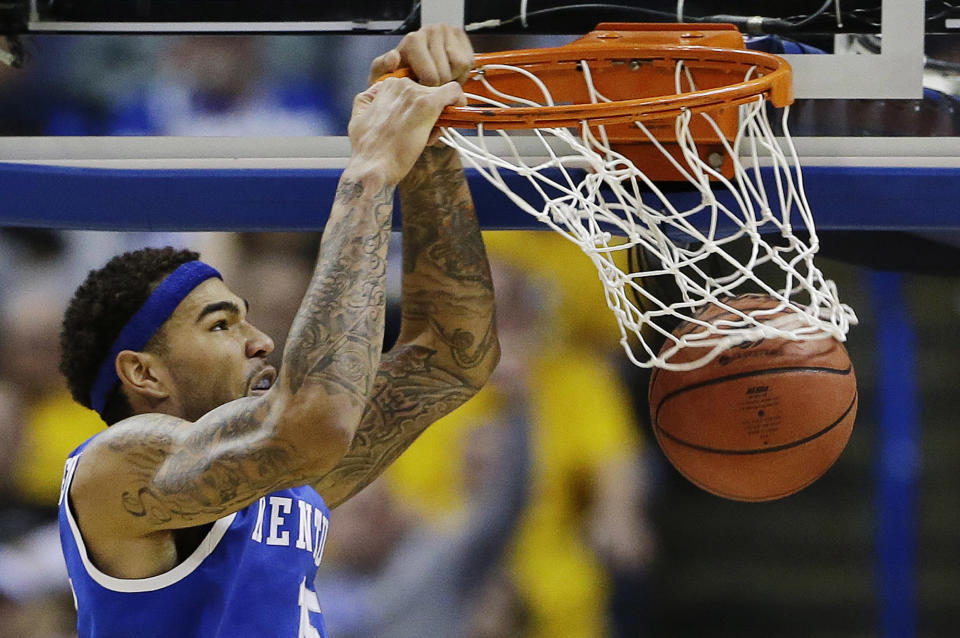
column 311, row 529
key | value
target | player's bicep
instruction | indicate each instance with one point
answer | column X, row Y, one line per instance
column 156, row 472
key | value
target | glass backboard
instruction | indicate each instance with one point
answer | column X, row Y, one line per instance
column 868, row 132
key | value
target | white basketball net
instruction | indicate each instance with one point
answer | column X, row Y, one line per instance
column 612, row 207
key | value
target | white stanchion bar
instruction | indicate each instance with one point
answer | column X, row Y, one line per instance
column 63, row 26
column 333, row 151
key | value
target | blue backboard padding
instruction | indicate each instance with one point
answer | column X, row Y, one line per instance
column 885, row 198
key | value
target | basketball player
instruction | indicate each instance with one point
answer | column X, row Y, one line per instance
column 203, row 509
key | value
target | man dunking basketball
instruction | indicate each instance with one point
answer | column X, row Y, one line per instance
column 203, row 509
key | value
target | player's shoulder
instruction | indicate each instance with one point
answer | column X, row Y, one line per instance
column 116, row 463
column 137, row 430
column 107, row 456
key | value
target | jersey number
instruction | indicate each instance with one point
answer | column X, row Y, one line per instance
column 308, row 602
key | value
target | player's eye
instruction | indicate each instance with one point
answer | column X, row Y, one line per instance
column 220, row 325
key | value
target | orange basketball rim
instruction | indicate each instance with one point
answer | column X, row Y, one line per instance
column 639, row 73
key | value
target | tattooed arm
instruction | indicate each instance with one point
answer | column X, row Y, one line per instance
column 157, row 472
column 447, row 346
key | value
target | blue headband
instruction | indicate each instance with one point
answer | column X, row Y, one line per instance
column 145, row 322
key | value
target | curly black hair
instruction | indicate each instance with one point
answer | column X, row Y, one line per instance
column 100, row 308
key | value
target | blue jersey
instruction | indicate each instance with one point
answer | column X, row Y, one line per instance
column 251, row 576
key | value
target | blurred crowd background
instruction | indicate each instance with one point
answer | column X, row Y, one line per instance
column 517, row 513
column 534, row 511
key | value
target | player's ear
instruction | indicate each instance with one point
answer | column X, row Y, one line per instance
column 142, row 373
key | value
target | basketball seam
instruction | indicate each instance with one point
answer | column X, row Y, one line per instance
column 734, row 377
column 776, row 448
column 754, row 373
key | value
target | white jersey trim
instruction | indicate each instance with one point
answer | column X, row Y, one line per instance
column 153, row 583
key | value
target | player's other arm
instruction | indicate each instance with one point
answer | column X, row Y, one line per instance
column 447, row 346
column 155, row 472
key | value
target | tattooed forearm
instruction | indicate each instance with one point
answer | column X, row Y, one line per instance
column 437, row 311
column 409, row 393
column 336, row 338
column 439, row 222
column 447, row 288
column 448, row 344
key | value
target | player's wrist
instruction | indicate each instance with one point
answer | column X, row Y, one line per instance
column 372, row 176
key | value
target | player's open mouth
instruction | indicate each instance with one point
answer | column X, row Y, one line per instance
column 262, row 381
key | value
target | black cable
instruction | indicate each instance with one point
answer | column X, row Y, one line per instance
column 763, row 24
column 496, row 22
column 945, row 66
column 412, row 18
column 872, row 44
column 813, row 16
column 749, row 24
column 869, row 17
column 872, row 17
column 946, row 7
column 589, row 7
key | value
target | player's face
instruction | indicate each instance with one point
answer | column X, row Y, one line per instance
column 213, row 355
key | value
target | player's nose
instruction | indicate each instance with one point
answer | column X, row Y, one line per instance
column 259, row 343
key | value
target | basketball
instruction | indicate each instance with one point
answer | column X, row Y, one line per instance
column 763, row 419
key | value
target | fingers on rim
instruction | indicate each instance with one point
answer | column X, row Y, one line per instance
column 416, row 54
column 383, row 64
column 453, row 94
column 436, row 53
column 438, row 45
column 460, row 53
